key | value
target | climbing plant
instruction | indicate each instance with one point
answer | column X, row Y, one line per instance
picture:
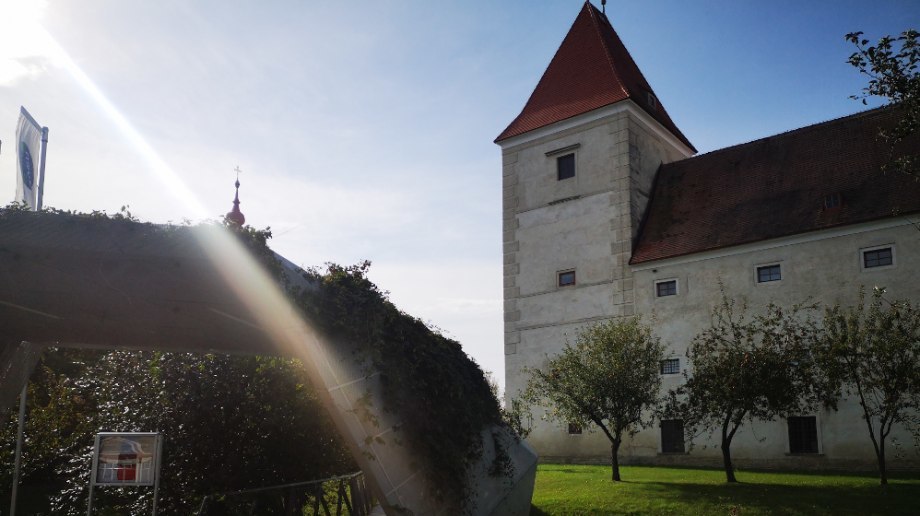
column 440, row 395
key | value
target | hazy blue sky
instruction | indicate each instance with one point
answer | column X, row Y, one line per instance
column 364, row 129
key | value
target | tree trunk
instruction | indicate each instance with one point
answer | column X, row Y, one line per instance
column 614, row 460
column 727, row 460
column 882, row 470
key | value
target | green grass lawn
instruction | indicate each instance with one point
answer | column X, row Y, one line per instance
column 576, row 489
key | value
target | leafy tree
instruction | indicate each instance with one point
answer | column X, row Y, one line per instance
column 230, row 422
column 893, row 68
column 610, row 377
column 872, row 352
column 743, row 369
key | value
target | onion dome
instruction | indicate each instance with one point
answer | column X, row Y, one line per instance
column 235, row 216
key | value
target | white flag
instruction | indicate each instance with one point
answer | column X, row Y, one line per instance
column 28, row 149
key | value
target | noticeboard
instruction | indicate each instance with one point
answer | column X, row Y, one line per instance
column 126, row 458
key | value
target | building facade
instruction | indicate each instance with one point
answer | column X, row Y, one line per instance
column 607, row 213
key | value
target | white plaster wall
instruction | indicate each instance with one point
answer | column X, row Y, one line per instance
column 591, row 232
column 618, row 154
column 823, row 266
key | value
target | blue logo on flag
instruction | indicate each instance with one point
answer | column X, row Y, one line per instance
column 25, row 165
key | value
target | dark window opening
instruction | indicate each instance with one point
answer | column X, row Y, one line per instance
column 565, row 167
column 768, row 273
column 878, row 258
column 666, row 288
column 574, row 429
column 670, row 366
column 803, row 434
column 566, row 278
column 672, row 436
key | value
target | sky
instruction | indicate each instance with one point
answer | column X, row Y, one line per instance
column 365, row 130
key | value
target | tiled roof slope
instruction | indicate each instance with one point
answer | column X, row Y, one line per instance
column 776, row 187
column 591, row 69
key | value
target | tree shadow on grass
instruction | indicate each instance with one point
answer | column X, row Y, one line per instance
column 791, row 499
column 570, row 470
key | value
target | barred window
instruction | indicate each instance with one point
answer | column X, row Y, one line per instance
column 666, row 288
column 768, row 273
column 878, row 258
column 670, row 366
column 574, row 429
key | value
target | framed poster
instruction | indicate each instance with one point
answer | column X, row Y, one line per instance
column 126, row 458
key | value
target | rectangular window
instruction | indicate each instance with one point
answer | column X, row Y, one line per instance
column 878, row 258
column 803, row 434
column 574, row 429
column 566, row 278
column 666, row 288
column 672, row 436
column 670, row 366
column 565, row 167
column 768, row 273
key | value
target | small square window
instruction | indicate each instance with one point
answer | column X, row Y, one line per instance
column 672, row 436
column 670, row 366
column 574, row 429
column 768, row 273
column 566, row 279
column 803, row 434
column 832, row 201
column 878, row 258
column 565, row 167
column 666, row 288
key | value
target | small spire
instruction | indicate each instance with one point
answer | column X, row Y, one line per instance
column 604, row 6
column 235, row 216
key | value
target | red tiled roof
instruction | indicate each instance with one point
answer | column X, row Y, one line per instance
column 591, row 69
column 776, row 187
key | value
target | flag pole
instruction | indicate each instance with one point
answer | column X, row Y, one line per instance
column 17, row 464
column 41, row 173
column 17, row 461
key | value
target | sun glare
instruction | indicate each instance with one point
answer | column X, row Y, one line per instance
column 23, row 50
column 26, row 48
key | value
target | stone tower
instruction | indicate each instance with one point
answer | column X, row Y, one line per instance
column 578, row 165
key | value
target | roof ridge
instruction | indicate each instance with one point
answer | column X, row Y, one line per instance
column 591, row 69
column 784, row 133
column 607, row 52
column 542, row 77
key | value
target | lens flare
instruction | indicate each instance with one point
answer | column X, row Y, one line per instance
column 336, row 377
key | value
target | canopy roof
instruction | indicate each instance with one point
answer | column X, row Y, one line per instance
column 110, row 283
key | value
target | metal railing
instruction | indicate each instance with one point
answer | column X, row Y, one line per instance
column 339, row 496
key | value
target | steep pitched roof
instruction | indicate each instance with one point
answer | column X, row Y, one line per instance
column 591, row 69
column 776, row 187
